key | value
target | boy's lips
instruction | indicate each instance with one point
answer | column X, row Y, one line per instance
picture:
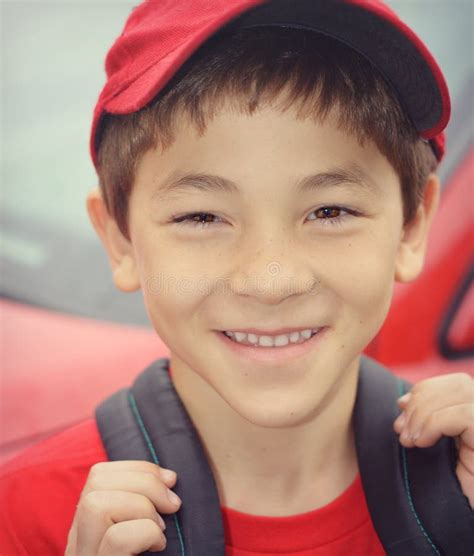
column 277, row 354
column 271, row 332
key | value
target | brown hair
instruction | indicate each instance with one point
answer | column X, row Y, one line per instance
column 254, row 66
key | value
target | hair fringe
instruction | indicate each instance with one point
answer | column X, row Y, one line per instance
column 248, row 69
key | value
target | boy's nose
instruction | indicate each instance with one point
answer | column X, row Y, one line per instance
column 273, row 271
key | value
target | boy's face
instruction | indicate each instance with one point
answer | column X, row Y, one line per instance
column 268, row 259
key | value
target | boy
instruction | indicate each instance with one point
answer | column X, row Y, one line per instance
column 264, row 202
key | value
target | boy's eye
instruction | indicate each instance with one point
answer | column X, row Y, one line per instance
column 328, row 212
column 199, row 219
column 332, row 214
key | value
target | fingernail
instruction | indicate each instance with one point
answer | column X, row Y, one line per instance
column 405, row 397
column 401, row 419
column 404, row 436
column 173, row 497
column 168, row 474
column 161, row 522
column 416, row 435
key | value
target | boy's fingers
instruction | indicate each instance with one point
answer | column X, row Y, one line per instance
column 71, row 540
column 100, row 510
column 417, row 417
column 466, row 459
column 465, row 471
column 167, row 475
column 466, row 480
column 146, row 484
column 447, row 389
column 431, row 395
column 134, row 465
column 454, row 421
column 400, row 422
column 403, row 400
column 128, row 538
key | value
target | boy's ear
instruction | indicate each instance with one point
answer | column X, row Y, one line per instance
column 412, row 247
column 119, row 248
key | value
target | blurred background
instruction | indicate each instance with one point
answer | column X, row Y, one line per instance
column 63, row 324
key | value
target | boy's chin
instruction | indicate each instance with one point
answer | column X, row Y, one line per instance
column 277, row 414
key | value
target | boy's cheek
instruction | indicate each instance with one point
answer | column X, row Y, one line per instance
column 357, row 274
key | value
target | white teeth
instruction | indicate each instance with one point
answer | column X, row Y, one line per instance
column 294, row 337
column 266, row 341
column 270, row 341
column 306, row 334
column 281, row 340
column 239, row 336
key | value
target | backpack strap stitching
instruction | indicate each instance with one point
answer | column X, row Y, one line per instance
column 141, row 426
column 407, row 485
column 146, row 436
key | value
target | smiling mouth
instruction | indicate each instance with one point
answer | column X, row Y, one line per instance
column 266, row 341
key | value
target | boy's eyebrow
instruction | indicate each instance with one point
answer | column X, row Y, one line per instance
column 180, row 183
column 338, row 175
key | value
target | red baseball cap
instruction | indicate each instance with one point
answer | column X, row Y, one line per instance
column 160, row 35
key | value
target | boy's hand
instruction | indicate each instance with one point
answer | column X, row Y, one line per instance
column 438, row 406
column 117, row 511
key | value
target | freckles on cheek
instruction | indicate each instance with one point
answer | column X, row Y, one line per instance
column 175, row 291
column 363, row 280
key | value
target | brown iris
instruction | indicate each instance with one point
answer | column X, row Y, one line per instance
column 328, row 212
column 203, row 217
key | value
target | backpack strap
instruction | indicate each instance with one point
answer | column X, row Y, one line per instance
column 149, row 422
column 413, row 495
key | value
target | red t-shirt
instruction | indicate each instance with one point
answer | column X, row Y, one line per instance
column 39, row 491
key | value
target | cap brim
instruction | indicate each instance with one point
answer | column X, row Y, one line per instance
column 383, row 39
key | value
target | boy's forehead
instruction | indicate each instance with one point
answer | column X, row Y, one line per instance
column 168, row 33
column 319, row 156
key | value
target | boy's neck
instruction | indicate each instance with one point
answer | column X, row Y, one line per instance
column 275, row 471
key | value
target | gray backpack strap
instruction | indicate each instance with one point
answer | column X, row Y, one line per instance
column 413, row 495
column 149, row 422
